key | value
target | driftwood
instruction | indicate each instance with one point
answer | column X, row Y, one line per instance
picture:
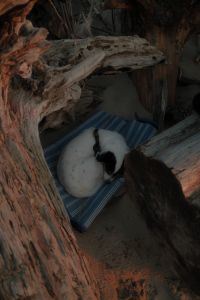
column 163, row 180
column 39, row 255
column 179, row 148
column 166, row 25
column 77, row 59
column 67, row 62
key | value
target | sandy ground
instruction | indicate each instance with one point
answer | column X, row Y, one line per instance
column 119, row 239
column 119, row 236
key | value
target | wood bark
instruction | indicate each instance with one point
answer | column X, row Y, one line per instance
column 163, row 180
column 179, row 148
column 68, row 62
column 167, row 25
column 155, row 80
column 39, row 256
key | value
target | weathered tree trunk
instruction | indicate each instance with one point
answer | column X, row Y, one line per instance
column 163, row 179
column 171, row 41
column 39, row 256
column 167, row 25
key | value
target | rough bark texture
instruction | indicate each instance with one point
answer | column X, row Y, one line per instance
column 67, row 62
column 162, row 197
column 179, row 148
column 167, row 25
column 39, row 257
column 38, row 252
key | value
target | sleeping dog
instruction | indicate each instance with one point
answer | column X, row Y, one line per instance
column 90, row 159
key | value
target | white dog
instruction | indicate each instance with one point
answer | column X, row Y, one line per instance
column 89, row 159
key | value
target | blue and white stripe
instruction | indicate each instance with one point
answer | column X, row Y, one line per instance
column 82, row 212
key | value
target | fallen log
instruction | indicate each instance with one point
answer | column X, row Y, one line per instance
column 163, row 180
column 179, row 148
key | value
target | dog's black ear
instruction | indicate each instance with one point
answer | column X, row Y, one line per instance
column 109, row 160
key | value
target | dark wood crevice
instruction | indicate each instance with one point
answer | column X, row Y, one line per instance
column 160, row 199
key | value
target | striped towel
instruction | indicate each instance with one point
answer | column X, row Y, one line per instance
column 82, row 212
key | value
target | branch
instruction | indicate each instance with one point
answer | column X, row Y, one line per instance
column 56, row 77
column 67, row 62
column 78, row 59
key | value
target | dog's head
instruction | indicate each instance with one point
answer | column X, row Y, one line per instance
column 108, row 160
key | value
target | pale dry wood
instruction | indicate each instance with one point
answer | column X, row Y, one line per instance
column 100, row 52
column 179, row 148
column 67, row 62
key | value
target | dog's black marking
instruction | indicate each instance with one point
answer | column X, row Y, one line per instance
column 108, row 158
column 109, row 161
column 96, row 147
